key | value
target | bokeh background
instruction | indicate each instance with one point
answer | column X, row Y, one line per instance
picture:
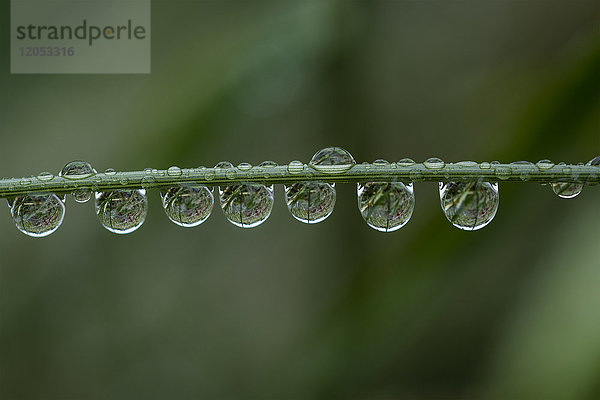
column 335, row 310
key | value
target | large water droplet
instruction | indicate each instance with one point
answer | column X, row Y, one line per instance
column 434, row 163
column 332, row 160
column 122, row 211
column 406, row 162
column 594, row 161
column 295, row 167
column 310, row 202
column 469, row 205
column 567, row 190
column 386, row 207
column 174, row 171
column 544, row 165
column 247, row 205
column 45, row 176
column 188, row 205
column 77, row 170
column 37, row 215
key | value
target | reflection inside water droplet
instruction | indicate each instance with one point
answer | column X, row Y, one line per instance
column 246, row 205
column 122, row 211
column 187, row 205
column 386, row 207
column 37, row 215
column 469, row 205
column 332, row 160
column 310, row 202
column 567, row 190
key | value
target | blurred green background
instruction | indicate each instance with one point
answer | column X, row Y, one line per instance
column 335, row 310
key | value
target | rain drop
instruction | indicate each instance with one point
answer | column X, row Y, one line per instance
column 77, row 170
column 246, row 205
column 122, row 211
column 188, row 205
column 567, row 190
column 174, row 171
column 406, row 162
column 310, row 202
column 37, row 215
column 332, row 160
column 295, row 167
column 469, row 205
column 386, row 207
column 434, row 163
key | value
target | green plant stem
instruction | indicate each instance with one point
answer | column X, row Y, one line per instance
column 365, row 172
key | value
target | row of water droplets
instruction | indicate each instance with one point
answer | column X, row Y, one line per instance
column 385, row 206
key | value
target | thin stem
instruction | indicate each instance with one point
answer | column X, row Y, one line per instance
column 588, row 174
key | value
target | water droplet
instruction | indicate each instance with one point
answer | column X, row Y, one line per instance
column 295, row 167
column 148, row 170
column 469, row 205
column 110, row 172
column 122, row 211
column 247, row 205
column 594, row 161
column 567, row 190
column 77, row 170
column 188, row 205
column 386, row 207
column 148, row 181
column 310, row 202
column 209, row 175
column 174, row 171
column 82, row 195
column 485, row 165
column 45, row 176
column 503, row 172
column 406, row 162
column 434, row 163
column 332, row 160
column 268, row 164
column 524, row 163
column 544, row 165
column 244, row 166
column 381, row 163
column 224, row 165
column 466, row 164
column 37, row 215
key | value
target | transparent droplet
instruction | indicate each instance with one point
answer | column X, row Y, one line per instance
column 466, row 164
column 246, row 205
column 567, row 190
column 37, row 215
column 122, row 211
column 594, row 161
column 503, row 172
column 406, row 162
column 110, row 172
column 268, row 164
column 386, row 207
column 310, row 202
column 45, row 176
column 544, row 165
column 434, row 163
column 82, row 195
column 148, row 181
column 332, row 160
column 469, row 205
column 188, row 205
column 174, row 171
column 245, row 167
column 485, row 165
column 77, row 170
column 295, row 167
column 381, row 163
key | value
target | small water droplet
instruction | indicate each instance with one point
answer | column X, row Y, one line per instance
column 295, row 167
column 224, row 165
column 332, row 160
column 174, row 171
column 110, row 172
column 45, row 176
column 594, row 161
column 247, row 205
column 148, row 181
column 77, row 170
column 82, row 195
column 469, row 205
column 188, row 205
column 466, row 164
column 406, row 162
column 386, row 207
column 544, row 165
column 37, row 215
column 122, row 211
column 245, row 167
column 381, row 163
column 124, row 180
column 434, row 163
column 209, row 175
column 567, row 190
column 148, row 170
column 268, row 164
column 310, row 202
column 503, row 172
column 485, row 165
